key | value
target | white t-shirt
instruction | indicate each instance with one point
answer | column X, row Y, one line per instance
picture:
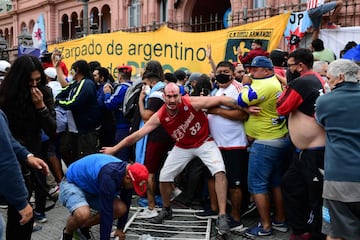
column 228, row 134
column 55, row 87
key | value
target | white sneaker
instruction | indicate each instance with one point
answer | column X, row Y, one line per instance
column 54, row 190
column 147, row 213
column 175, row 193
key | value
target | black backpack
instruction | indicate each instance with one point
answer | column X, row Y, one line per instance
column 131, row 105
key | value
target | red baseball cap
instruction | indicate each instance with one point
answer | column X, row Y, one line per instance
column 139, row 176
column 124, row 68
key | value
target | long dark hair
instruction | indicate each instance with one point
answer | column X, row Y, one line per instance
column 15, row 96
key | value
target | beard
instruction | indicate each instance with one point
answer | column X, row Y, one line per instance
column 291, row 76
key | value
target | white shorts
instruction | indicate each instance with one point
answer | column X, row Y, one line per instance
column 178, row 158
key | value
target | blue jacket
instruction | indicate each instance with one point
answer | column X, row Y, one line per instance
column 338, row 112
column 115, row 102
column 102, row 175
column 80, row 98
column 12, row 184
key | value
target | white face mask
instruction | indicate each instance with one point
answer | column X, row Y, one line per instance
column 69, row 78
column 327, row 87
column 147, row 90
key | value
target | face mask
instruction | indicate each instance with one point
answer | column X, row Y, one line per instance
column 147, row 90
column 239, row 79
column 327, row 87
column 72, row 72
column 223, row 78
column 69, row 78
column 291, row 76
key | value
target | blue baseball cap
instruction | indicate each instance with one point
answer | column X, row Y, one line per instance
column 261, row 61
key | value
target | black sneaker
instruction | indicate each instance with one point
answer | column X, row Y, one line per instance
column 84, row 234
column 163, row 214
column 40, row 217
column 66, row 236
column 222, row 225
column 236, row 226
column 207, row 214
column 249, row 209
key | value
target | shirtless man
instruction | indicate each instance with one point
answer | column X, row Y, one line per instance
column 303, row 181
column 183, row 118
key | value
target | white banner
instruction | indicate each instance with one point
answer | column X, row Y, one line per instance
column 335, row 39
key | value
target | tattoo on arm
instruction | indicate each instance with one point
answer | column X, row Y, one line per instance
column 233, row 104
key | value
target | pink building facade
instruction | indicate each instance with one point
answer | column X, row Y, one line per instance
column 65, row 20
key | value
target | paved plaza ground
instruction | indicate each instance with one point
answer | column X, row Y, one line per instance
column 57, row 218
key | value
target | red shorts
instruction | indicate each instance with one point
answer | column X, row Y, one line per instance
column 156, row 153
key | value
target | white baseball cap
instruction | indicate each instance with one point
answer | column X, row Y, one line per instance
column 4, row 66
column 50, row 72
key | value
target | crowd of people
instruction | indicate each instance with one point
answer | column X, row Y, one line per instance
column 275, row 130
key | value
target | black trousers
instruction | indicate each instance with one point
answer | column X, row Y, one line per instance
column 302, row 187
column 14, row 230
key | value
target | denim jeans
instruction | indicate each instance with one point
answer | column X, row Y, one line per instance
column 266, row 165
column 315, row 14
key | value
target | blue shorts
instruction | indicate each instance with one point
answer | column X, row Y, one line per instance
column 316, row 14
column 266, row 165
column 72, row 197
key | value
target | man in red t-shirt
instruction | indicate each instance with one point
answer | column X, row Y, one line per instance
column 185, row 121
column 256, row 50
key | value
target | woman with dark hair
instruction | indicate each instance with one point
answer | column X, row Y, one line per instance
column 83, row 113
column 29, row 106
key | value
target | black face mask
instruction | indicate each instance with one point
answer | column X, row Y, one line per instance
column 239, row 79
column 291, row 76
column 223, row 78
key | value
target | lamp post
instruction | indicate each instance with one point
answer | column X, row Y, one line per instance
column 3, row 46
column 25, row 38
column 85, row 16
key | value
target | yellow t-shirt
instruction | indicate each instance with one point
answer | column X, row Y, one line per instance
column 264, row 93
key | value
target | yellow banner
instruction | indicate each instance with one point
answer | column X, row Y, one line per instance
column 171, row 48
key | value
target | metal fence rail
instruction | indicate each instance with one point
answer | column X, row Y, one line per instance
column 183, row 225
column 348, row 17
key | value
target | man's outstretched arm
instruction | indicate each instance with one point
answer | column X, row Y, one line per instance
column 199, row 103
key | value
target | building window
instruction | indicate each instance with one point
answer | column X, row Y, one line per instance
column 163, row 11
column 259, row 3
column 134, row 13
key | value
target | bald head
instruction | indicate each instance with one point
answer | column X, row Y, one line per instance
column 172, row 88
column 172, row 97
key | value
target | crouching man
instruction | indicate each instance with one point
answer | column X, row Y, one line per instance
column 103, row 183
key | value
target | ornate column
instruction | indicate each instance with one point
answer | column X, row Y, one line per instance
column 100, row 22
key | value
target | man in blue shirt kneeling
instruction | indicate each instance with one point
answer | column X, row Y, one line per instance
column 101, row 182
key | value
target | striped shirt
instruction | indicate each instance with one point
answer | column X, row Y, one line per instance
column 314, row 3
